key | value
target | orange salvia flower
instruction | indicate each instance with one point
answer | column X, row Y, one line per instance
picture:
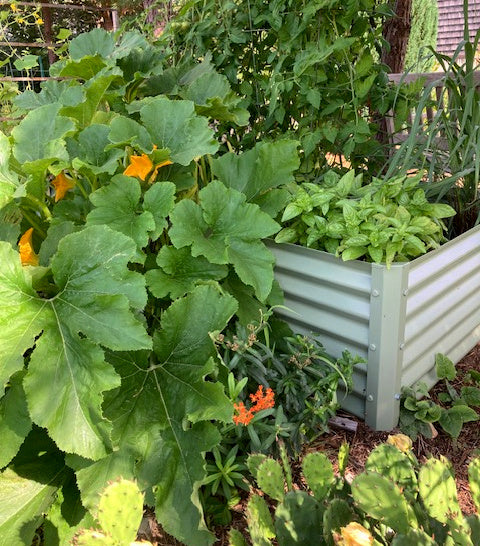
column 244, row 416
column 27, row 254
column 140, row 165
column 261, row 402
column 61, row 184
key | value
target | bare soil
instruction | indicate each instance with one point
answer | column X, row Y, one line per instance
column 459, row 452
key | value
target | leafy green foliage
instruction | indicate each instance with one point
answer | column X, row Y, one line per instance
column 446, row 149
column 383, row 221
column 133, row 253
column 304, row 68
column 303, row 377
column 417, row 414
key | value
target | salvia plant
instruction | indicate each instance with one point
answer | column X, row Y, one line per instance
column 298, row 370
column 382, row 221
column 396, row 501
column 123, row 244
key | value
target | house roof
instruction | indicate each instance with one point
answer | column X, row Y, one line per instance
column 450, row 23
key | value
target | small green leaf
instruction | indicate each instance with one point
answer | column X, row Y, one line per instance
column 452, row 419
column 444, row 367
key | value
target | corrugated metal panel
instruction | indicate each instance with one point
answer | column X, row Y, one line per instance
column 331, row 298
column 443, row 306
column 398, row 318
column 326, row 296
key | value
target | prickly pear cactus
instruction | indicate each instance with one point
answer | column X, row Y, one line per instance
column 381, row 499
column 414, row 537
column 260, row 523
column 392, row 463
column 474, row 480
column 298, row 519
column 271, row 480
column 236, row 538
column 254, row 461
column 439, row 494
column 318, row 472
column 119, row 515
column 337, row 515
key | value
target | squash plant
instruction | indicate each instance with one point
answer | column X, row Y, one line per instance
column 123, row 245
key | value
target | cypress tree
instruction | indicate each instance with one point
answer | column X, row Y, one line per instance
column 423, row 33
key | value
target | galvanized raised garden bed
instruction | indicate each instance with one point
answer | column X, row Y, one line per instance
column 396, row 318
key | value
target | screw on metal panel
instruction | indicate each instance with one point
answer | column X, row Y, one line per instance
column 372, row 347
column 402, row 346
column 375, row 293
column 369, row 398
column 405, row 292
column 397, row 396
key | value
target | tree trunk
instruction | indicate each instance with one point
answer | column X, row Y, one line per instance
column 396, row 32
column 47, row 31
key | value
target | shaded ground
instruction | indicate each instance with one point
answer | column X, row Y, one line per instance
column 459, row 452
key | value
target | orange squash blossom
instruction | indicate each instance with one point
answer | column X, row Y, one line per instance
column 140, row 166
column 25, row 246
column 61, row 184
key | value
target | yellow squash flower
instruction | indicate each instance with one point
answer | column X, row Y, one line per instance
column 27, row 254
column 353, row 534
column 13, row 7
column 61, row 184
column 39, row 21
column 141, row 165
column 401, row 441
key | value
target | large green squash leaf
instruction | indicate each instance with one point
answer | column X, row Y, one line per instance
column 8, row 181
column 225, row 229
column 214, row 98
column 39, row 139
column 118, row 206
column 95, row 89
column 96, row 42
column 176, row 126
column 28, row 488
column 15, row 422
column 158, row 411
column 67, row 373
column 90, row 152
column 269, row 165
